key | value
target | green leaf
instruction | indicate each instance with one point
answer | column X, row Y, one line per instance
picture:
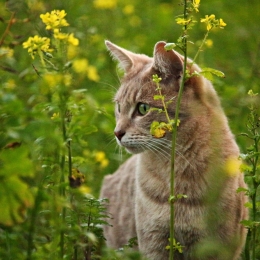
column 169, row 46
column 158, row 97
column 247, row 223
column 15, row 196
column 248, row 205
column 208, row 72
column 240, row 189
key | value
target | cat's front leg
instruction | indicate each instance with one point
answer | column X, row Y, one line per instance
column 152, row 224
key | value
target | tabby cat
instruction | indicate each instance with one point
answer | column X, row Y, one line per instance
column 207, row 222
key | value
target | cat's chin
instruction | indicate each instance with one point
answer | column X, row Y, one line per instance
column 134, row 150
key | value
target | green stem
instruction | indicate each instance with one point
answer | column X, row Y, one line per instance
column 70, row 158
column 174, row 138
column 62, row 178
column 254, row 207
column 164, row 105
column 42, row 60
column 33, row 219
column 201, row 46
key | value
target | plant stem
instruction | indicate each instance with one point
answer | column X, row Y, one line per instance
column 200, row 48
column 42, row 60
column 255, row 184
column 32, row 226
column 62, row 178
column 164, row 105
column 7, row 30
column 174, row 137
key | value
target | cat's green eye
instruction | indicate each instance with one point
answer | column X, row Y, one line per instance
column 143, row 108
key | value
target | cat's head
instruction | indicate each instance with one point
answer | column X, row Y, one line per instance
column 135, row 99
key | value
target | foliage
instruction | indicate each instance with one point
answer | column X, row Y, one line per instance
column 56, row 113
column 252, row 174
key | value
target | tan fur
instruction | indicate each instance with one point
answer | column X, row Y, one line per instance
column 139, row 190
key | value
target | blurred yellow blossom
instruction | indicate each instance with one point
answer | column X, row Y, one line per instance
column 232, row 166
column 209, row 43
column 67, row 80
column 54, row 20
column 92, row 73
column 65, row 36
column 105, row 4
column 100, row 157
column 85, row 190
column 196, row 4
column 37, row 43
column 72, row 40
column 55, row 116
column 251, row 93
column 80, row 65
column 135, row 21
column 72, row 51
column 36, row 5
column 10, row 84
column 52, row 80
column 222, row 23
column 128, row 9
column 6, row 51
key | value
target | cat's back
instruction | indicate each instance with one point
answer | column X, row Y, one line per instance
column 119, row 188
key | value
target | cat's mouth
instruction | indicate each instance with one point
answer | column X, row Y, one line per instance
column 131, row 147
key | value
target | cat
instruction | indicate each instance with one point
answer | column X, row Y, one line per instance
column 207, row 222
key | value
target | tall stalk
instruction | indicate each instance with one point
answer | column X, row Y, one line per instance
column 174, row 136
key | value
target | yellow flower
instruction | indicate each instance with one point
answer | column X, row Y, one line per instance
column 72, row 40
column 212, row 22
column 196, row 4
column 128, row 9
column 182, row 21
column 36, row 43
column 232, row 166
column 72, row 51
column 92, row 73
column 209, row 43
column 52, row 80
column 251, row 93
column 65, row 36
column 85, row 190
column 54, row 20
column 55, row 116
column 135, row 21
column 58, row 35
column 67, row 80
column 222, row 23
column 5, row 51
column 105, row 4
column 100, row 157
column 10, row 84
column 80, row 65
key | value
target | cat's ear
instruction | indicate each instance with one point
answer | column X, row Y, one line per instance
column 124, row 57
column 168, row 63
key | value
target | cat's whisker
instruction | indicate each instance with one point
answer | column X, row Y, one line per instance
column 166, row 142
column 153, row 146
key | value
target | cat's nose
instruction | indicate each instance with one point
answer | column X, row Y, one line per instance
column 119, row 134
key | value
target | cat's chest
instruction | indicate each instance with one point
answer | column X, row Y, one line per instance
column 153, row 178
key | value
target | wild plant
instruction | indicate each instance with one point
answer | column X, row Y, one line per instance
column 251, row 167
column 158, row 129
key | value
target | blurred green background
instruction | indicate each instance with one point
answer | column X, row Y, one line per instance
column 137, row 26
